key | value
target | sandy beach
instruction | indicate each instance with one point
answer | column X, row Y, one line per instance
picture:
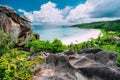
column 79, row 38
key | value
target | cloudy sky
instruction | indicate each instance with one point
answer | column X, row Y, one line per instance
column 63, row 12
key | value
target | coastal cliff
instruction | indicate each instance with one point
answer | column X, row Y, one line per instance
column 14, row 24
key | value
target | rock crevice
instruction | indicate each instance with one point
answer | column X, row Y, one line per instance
column 14, row 24
column 89, row 64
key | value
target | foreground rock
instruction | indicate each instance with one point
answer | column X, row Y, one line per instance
column 91, row 64
column 12, row 23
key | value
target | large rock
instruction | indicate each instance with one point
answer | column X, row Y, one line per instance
column 93, row 65
column 14, row 24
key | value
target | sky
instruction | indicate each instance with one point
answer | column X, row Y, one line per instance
column 65, row 12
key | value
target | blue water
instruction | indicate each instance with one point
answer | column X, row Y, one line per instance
column 59, row 32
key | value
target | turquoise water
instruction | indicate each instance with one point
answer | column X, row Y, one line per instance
column 60, row 32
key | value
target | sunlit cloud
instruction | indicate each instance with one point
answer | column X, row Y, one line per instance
column 90, row 11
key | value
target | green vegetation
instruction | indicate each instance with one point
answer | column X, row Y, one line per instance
column 54, row 47
column 106, row 25
column 14, row 63
column 110, row 30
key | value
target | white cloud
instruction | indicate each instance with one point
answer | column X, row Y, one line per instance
column 95, row 10
column 107, row 8
column 81, row 11
column 27, row 14
column 66, row 11
column 48, row 13
column 90, row 11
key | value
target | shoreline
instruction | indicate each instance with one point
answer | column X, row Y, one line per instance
column 93, row 34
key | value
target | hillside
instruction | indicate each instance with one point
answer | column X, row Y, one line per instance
column 110, row 39
column 107, row 25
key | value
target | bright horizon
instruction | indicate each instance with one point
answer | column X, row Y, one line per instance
column 66, row 12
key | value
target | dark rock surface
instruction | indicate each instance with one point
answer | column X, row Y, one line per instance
column 89, row 51
column 14, row 24
column 95, row 65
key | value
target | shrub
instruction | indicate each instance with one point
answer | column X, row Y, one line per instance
column 6, row 42
column 57, row 46
column 54, row 47
column 109, row 40
column 118, row 44
column 14, row 65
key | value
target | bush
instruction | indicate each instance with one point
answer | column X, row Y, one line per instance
column 54, row 47
column 57, row 46
column 109, row 40
column 118, row 34
column 6, row 42
column 14, row 65
column 118, row 44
